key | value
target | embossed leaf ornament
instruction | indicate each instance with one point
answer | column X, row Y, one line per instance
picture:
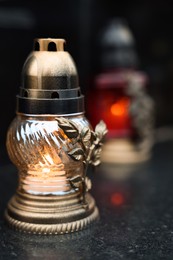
column 69, row 128
column 89, row 152
column 77, row 154
column 90, row 141
column 99, row 134
column 101, row 131
column 86, row 136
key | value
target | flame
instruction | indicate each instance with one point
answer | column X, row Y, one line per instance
column 120, row 108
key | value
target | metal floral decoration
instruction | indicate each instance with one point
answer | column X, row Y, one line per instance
column 87, row 146
column 51, row 143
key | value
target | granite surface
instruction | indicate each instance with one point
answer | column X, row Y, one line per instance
column 136, row 216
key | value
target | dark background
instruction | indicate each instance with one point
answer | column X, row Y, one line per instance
column 142, row 227
column 79, row 22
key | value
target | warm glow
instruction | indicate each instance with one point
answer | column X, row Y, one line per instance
column 120, row 108
column 48, row 158
column 46, row 170
column 117, row 199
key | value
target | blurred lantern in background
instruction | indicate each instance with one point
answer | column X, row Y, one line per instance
column 119, row 96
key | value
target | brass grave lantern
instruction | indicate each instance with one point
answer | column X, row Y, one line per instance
column 51, row 143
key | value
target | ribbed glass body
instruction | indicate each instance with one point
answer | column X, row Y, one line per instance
column 39, row 149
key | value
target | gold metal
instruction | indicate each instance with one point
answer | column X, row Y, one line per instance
column 44, row 43
column 48, row 215
column 52, row 143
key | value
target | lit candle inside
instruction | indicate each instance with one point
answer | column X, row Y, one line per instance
column 51, row 143
column 44, row 165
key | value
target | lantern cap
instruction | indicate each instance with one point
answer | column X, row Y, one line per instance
column 49, row 81
column 117, row 45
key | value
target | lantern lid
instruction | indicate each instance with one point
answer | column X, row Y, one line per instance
column 49, row 81
column 117, row 45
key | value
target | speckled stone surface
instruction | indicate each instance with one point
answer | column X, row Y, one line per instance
column 136, row 216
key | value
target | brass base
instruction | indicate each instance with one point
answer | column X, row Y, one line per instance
column 48, row 215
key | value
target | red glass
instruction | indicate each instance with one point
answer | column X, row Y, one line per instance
column 109, row 100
